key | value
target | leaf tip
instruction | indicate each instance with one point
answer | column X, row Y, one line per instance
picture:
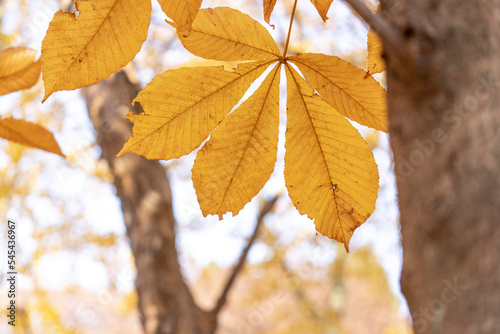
column 171, row 23
column 59, row 152
column 54, row 149
column 47, row 94
column 122, row 151
column 125, row 148
column 268, row 21
column 271, row 25
column 346, row 246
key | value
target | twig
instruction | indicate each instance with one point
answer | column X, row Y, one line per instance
column 268, row 206
column 386, row 32
column 289, row 29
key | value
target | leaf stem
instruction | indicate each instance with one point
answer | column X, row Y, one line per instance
column 289, row 30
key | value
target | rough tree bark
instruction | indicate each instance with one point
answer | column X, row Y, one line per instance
column 443, row 81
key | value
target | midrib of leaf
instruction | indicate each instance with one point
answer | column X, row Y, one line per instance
column 20, row 134
column 14, row 74
column 237, row 42
column 248, row 142
column 319, row 143
column 18, row 71
column 86, row 44
column 340, row 88
column 197, row 102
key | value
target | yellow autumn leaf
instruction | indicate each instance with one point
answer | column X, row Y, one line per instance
column 376, row 62
column 18, row 69
column 330, row 172
column 345, row 87
column 322, row 6
column 29, row 134
column 233, row 166
column 183, row 106
column 224, row 33
column 182, row 12
column 81, row 51
column 268, row 9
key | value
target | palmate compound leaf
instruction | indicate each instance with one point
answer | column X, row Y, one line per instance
column 29, row 134
column 182, row 12
column 81, row 51
column 322, row 6
column 183, row 106
column 233, row 166
column 18, row 69
column 330, row 172
column 227, row 34
column 376, row 62
column 345, row 87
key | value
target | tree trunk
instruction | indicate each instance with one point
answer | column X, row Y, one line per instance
column 443, row 83
column 165, row 302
